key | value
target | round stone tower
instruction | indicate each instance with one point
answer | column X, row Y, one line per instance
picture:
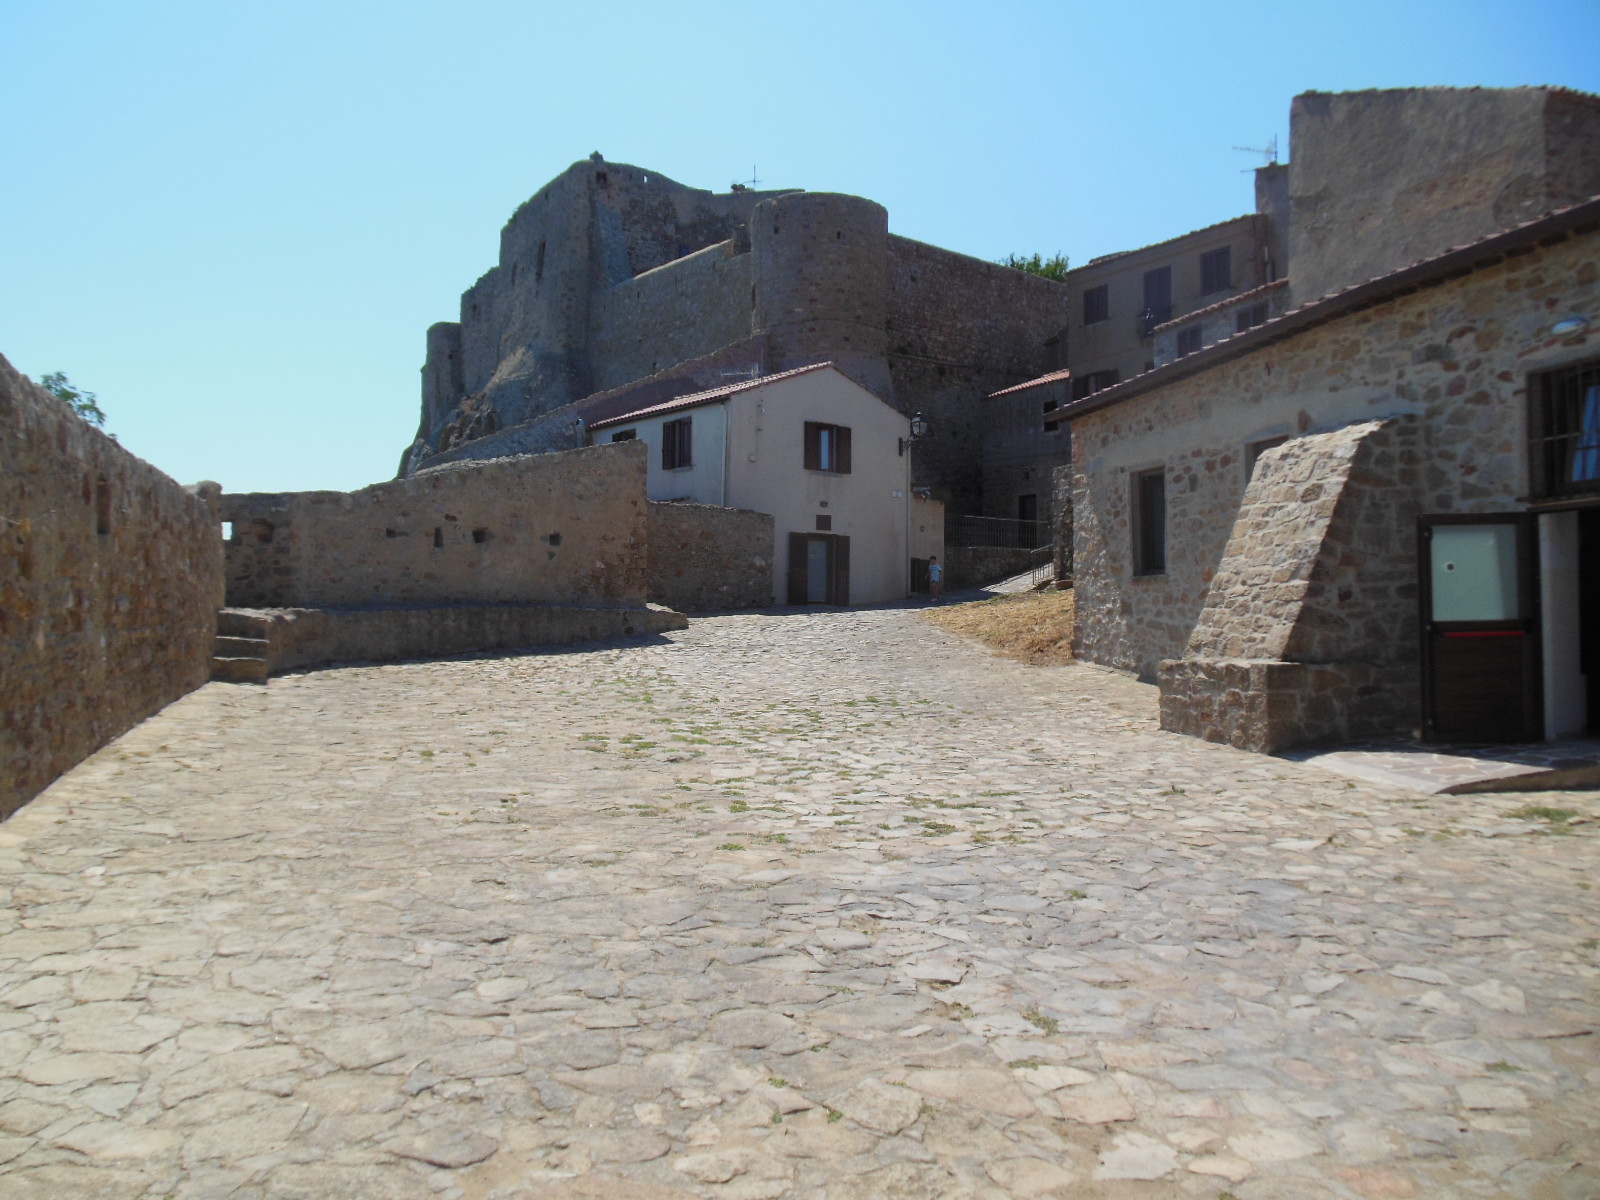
column 821, row 272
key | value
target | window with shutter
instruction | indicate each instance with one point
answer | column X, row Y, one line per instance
column 827, row 448
column 1216, row 271
column 1096, row 304
column 677, row 442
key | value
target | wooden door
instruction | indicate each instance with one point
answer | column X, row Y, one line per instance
column 819, row 568
column 1481, row 677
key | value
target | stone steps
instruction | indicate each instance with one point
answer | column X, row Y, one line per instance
column 242, row 651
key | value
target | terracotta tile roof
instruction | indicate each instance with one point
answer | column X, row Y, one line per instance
column 697, row 398
column 1053, row 377
column 1237, row 298
column 1551, row 228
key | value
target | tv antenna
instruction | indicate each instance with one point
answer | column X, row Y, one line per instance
column 741, row 185
column 1269, row 152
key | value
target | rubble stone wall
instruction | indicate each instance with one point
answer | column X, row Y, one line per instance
column 110, row 581
column 565, row 528
column 709, row 559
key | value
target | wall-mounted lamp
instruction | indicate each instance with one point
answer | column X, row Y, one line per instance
column 1568, row 326
column 579, row 433
column 919, row 430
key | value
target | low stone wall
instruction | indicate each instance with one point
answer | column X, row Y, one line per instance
column 312, row 637
column 563, row 528
column 973, row 566
column 110, row 580
column 1265, row 705
column 703, row 558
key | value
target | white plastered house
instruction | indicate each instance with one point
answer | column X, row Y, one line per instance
column 824, row 456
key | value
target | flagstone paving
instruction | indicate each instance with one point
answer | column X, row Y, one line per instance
column 794, row 904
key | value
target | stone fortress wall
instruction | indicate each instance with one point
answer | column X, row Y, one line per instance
column 110, row 578
column 612, row 278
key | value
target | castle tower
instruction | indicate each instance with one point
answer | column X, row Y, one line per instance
column 821, row 287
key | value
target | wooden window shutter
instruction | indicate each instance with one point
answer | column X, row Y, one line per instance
column 797, row 567
column 841, row 449
column 841, row 570
column 813, row 446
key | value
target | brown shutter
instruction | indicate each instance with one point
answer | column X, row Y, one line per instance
column 841, row 570
column 797, row 568
column 813, row 446
column 841, row 452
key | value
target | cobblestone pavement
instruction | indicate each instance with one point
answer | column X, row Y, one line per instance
column 788, row 904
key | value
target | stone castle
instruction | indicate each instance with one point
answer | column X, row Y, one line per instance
column 617, row 287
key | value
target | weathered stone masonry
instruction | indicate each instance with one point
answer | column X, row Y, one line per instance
column 110, row 578
column 564, row 528
column 1418, row 404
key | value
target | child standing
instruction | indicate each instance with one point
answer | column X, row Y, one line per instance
column 935, row 578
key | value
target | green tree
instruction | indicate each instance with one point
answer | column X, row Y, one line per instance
column 79, row 401
column 1054, row 267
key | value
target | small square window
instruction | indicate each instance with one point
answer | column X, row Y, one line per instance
column 1249, row 318
column 1096, row 304
column 624, row 435
column 1094, row 381
column 1150, row 522
column 1188, row 340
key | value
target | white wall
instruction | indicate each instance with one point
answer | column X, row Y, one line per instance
column 702, row 480
column 870, row 505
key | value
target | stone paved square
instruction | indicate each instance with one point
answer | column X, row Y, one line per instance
column 789, row 904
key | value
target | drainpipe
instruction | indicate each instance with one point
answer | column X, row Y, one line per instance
column 725, row 446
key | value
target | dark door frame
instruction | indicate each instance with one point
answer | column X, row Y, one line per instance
column 1526, row 629
column 838, row 567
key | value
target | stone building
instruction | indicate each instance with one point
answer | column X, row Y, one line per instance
column 618, row 288
column 1379, row 512
column 1376, row 180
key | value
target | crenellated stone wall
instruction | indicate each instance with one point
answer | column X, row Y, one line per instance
column 110, row 581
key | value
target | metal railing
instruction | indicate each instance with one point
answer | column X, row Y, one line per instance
column 996, row 532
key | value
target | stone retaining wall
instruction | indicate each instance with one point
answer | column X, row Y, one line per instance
column 311, row 637
column 110, row 578
column 565, row 528
column 703, row 558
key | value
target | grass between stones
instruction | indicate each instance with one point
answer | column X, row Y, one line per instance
column 1032, row 627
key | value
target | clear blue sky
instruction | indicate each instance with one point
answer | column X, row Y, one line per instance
column 235, row 221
